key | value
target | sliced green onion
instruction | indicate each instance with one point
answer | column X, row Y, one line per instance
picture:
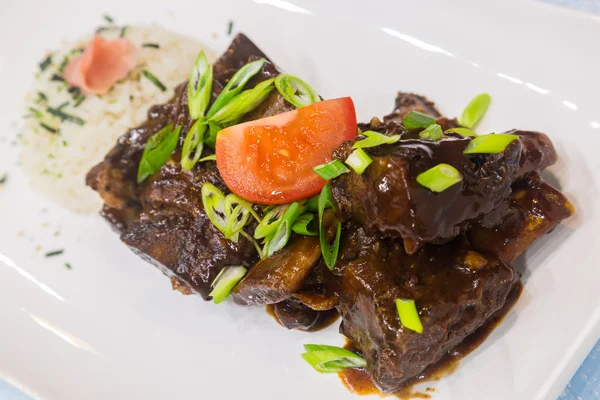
column 193, row 143
column 432, row 132
column 416, row 120
column 268, row 225
column 284, row 230
column 243, row 103
column 154, row 80
column 212, row 157
column 151, row 45
column 439, row 178
column 329, row 252
column 489, row 144
column 409, row 316
column 359, row 160
column 48, row 128
column 200, row 86
column 237, row 212
column 108, row 18
column 235, row 85
column 331, row 170
column 475, row 110
column 462, row 131
column 225, row 282
column 158, row 150
column 375, row 139
column 213, row 201
column 46, row 63
column 328, row 359
column 57, row 112
column 256, row 245
column 213, row 129
column 295, row 91
column 312, row 205
column 305, row 225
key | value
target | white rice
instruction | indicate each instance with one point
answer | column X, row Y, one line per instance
column 56, row 163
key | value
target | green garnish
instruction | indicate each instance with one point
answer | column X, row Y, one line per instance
column 225, row 282
column 42, row 98
column 284, row 230
column 409, row 316
column 416, row 120
column 78, row 102
column 243, row 103
column 329, row 252
column 237, row 212
column 359, row 160
column 63, row 64
column 268, row 225
column 331, row 170
column 475, row 110
column 48, row 128
column 213, row 201
column 374, row 139
column 489, row 144
column 108, row 18
column 327, row 359
column 56, row 77
column 212, row 157
column 151, row 45
column 158, row 150
column 295, row 91
column 3, row 178
column 305, row 225
column 439, row 178
column 213, row 129
column 312, row 205
column 64, row 116
column 54, row 253
column 432, row 132
column 193, row 143
column 235, row 85
column 462, row 131
column 123, row 31
column 46, row 63
column 37, row 114
column 230, row 27
column 65, row 143
column 68, row 265
column 200, row 86
column 154, row 80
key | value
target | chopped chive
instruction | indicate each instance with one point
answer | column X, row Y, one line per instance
column 230, row 27
column 106, row 28
column 37, row 114
column 151, row 45
column 65, row 143
column 409, row 316
column 54, row 253
column 331, row 170
column 3, row 178
column 123, row 31
column 68, row 265
column 212, row 157
column 78, row 102
column 359, row 160
column 64, row 116
column 225, row 282
column 462, row 131
column 489, row 144
column 63, row 64
column 56, row 77
column 439, row 178
column 432, row 132
column 41, row 98
column 329, row 252
column 108, row 18
column 416, row 120
column 46, row 63
column 475, row 110
column 154, row 80
column 48, row 128
column 374, row 139
column 331, row 359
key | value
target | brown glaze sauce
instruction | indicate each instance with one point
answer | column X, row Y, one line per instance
column 326, row 320
column 358, row 381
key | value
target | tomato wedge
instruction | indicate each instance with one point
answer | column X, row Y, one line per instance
column 270, row 160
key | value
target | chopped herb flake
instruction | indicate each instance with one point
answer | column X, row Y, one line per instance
column 230, row 28
column 63, row 64
column 41, row 98
column 46, row 63
column 151, row 45
column 54, row 253
column 3, row 178
column 123, row 31
column 106, row 28
column 56, row 77
column 79, row 100
column 36, row 113
column 108, row 18
column 154, row 80
column 68, row 265
column 65, row 143
column 64, row 116
column 48, row 128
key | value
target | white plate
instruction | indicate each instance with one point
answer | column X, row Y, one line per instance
column 112, row 328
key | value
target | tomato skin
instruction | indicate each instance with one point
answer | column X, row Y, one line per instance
column 270, row 160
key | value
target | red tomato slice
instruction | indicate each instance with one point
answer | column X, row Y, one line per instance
column 270, row 160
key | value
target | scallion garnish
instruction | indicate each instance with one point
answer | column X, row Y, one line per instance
column 212, row 157
column 331, row 170
column 374, row 139
column 3, row 178
column 154, row 80
column 295, row 91
column 268, row 224
column 46, row 63
column 432, row 132
column 225, row 282
column 193, row 143
column 64, row 116
column 312, row 205
column 213, row 201
column 54, row 253
column 158, row 150
column 213, row 129
column 439, row 178
column 416, row 120
column 200, row 86
column 462, row 131
column 48, row 128
column 78, row 102
column 329, row 252
column 243, row 103
column 42, row 98
column 68, row 265
column 63, row 64
column 284, row 230
column 305, row 225
column 359, row 160
column 237, row 212
column 108, row 18
column 151, row 45
column 230, row 27
column 235, row 85
column 123, row 31
column 409, row 316
column 327, row 359
column 57, row 78
column 475, row 110
column 489, row 144
column 37, row 114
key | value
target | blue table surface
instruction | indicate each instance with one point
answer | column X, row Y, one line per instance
column 585, row 384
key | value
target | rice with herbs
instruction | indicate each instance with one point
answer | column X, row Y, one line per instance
column 66, row 133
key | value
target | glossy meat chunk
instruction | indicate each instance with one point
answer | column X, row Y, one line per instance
column 293, row 314
column 455, row 289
